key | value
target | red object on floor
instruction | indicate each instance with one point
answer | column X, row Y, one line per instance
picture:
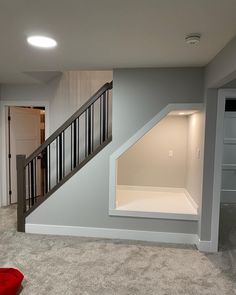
column 10, row 281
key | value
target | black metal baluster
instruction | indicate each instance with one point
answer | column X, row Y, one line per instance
column 29, row 194
column 25, row 189
column 104, row 117
column 44, row 166
column 60, row 157
column 86, row 138
column 75, row 144
column 78, row 134
column 63, row 153
column 32, row 182
column 35, row 179
column 57, row 160
column 44, row 169
column 100, row 100
column 92, row 126
column 107, row 96
column 89, row 130
column 71, row 147
column 49, row 167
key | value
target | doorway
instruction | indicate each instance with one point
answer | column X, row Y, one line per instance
column 25, row 132
column 4, row 104
column 227, row 223
column 224, row 170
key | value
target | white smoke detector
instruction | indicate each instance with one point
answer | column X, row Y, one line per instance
column 193, row 39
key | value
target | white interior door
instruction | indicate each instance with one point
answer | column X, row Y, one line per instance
column 24, row 139
column 228, row 189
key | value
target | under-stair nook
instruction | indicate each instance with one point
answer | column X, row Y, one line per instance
column 160, row 174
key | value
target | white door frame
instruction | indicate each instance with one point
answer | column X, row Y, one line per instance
column 4, row 201
column 223, row 94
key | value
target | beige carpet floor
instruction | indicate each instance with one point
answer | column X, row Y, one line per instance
column 72, row 266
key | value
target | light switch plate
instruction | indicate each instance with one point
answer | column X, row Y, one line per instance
column 198, row 152
column 171, row 153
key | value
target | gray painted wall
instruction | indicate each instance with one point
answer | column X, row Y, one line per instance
column 208, row 166
column 138, row 95
column 65, row 94
column 218, row 73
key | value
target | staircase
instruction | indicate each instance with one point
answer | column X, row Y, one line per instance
column 64, row 153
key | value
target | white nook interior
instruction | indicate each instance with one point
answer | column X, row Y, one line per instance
column 161, row 174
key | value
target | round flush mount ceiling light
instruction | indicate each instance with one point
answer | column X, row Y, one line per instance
column 42, row 42
column 193, row 39
column 181, row 113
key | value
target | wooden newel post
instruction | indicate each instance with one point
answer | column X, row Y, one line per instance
column 21, row 192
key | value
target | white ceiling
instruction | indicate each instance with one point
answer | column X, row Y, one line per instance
column 106, row 34
column 231, row 84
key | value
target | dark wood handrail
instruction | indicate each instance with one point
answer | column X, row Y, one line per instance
column 83, row 108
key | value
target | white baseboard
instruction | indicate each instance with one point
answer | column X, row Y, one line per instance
column 191, row 200
column 150, row 188
column 205, row 246
column 112, row 233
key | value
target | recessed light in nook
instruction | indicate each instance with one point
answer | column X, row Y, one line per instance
column 42, row 42
column 183, row 112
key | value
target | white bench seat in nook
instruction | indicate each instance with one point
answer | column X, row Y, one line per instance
column 155, row 202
